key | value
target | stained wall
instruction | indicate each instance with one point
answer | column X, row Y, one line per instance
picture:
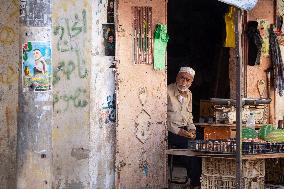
column 83, row 97
column 141, row 106
column 71, row 36
column 102, row 96
column 34, row 117
column 9, row 64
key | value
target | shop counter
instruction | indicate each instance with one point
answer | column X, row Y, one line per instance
column 218, row 170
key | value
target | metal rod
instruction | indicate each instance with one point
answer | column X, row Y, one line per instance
column 135, row 34
column 147, row 33
column 239, row 103
column 151, row 36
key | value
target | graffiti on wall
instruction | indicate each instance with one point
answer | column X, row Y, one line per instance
column 8, row 75
column 69, row 33
column 36, row 66
column 67, row 68
column 13, row 9
column 108, row 113
column 77, row 99
column 35, row 13
column 143, row 120
column 7, row 35
column 68, row 29
column 8, row 13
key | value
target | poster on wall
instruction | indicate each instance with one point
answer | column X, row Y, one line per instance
column 242, row 4
column 36, row 66
column 109, row 39
column 263, row 26
column 35, row 13
column 110, row 11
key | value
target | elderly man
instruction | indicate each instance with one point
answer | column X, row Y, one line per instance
column 180, row 119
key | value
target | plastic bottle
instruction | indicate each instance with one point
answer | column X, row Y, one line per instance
column 251, row 121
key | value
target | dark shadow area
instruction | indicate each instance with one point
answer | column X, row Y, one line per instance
column 197, row 33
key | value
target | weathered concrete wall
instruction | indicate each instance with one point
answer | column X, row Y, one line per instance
column 82, row 117
column 34, row 153
column 141, row 107
column 71, row 34
column 9, row 64
column 102, row 127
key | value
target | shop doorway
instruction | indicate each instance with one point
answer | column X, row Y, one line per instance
column 197, row 32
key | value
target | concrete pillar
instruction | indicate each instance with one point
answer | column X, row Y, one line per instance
column 82, row 109
column 71, row 40
column 34, row 152
column 102, row 123
column 83, row 133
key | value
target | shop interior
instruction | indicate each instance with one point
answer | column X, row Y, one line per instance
column 197, row 33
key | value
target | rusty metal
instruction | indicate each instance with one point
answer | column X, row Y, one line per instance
column 143, row 35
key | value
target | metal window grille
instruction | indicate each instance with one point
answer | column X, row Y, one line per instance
column 143, row 35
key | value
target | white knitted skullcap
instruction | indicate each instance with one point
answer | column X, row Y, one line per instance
column 187, row 70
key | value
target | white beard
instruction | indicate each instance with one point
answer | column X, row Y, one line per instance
column 183, row 89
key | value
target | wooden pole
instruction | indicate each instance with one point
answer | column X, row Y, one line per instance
column 238, row 102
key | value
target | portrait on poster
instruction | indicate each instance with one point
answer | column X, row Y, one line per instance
column 36, row 66
column 109, row 39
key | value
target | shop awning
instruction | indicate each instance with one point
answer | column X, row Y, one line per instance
column 242, row 4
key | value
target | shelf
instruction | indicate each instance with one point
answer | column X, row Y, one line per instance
column 222, row 125
column 190, row 153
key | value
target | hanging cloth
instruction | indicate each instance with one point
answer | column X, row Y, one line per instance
column 161, row 39
column 230, row 28
column 276, row 59
column 254, row 43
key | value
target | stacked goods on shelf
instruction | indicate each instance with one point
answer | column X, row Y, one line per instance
column 228, row 146
column 264, row 131
column 267, row 140
column 214, row 146
column 275, row 136
column 249, row 133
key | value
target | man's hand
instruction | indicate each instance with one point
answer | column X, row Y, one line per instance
column 188, row 134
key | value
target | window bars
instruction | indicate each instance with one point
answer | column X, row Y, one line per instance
column 143, row 35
